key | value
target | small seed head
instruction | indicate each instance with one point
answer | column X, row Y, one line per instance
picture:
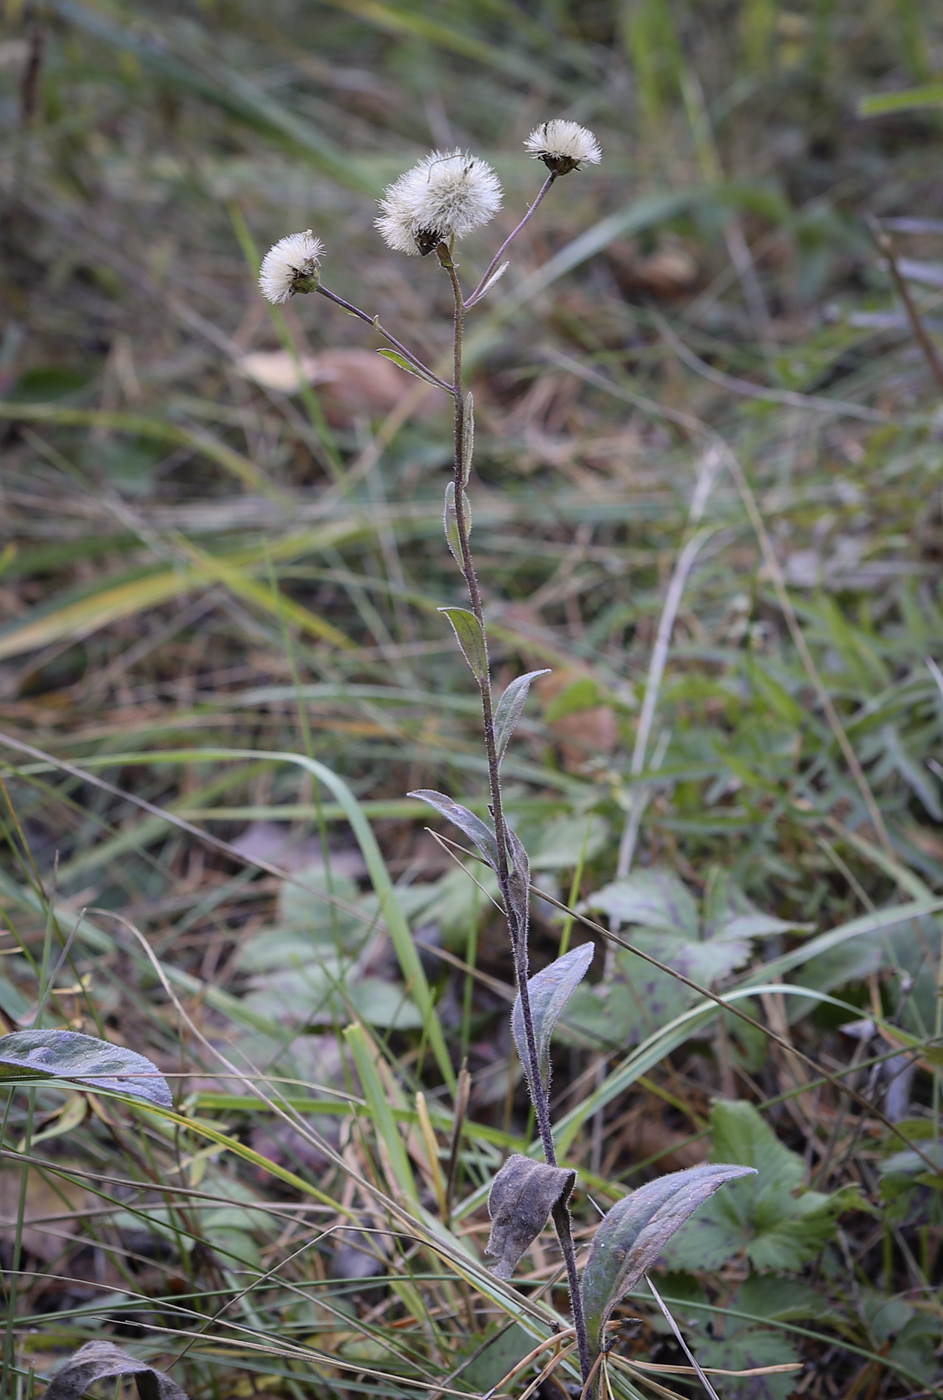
column 291, row 266
column 563, row 146
column 445, row 196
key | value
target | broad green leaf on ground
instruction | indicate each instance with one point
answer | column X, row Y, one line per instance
column 770, row 1218
column 311, row 968
column 705, row 946
column 490, row 1356
column 632, row 1235
column 651, row 898
column 550, row 990
column 81, row 1059
column 566, row 840
column 323, row 990
column 912, row 1193
column 776, row 1298
column 745, row 1350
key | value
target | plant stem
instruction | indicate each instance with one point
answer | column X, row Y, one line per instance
column 510, row 239
column 517, row 926
column 397, row 345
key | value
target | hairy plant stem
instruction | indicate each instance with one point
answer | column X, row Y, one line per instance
column 517, row 927
column 509, row 240
column 397, row 345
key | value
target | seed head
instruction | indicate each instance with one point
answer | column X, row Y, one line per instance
column 291, row 266
column 563, row 146
column 446, row 195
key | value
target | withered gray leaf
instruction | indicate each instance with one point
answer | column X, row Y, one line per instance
column 632, row 1235
column 97, row 1361
column 523, row 1194
column 550, row 990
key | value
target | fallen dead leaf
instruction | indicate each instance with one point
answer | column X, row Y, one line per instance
column 352, row 383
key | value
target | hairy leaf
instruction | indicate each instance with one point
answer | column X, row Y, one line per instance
column 770, row 1219
column 409, row 367
column 631, row 1237
column 468, row 436
column 509, row 707
column 495, row 277
column 97, row 1361
column 450, row 525
column 473, row 827
column 471, row 639
column 519, row 883
column 82, row 1059
column 523, row 1194
column 550, row 990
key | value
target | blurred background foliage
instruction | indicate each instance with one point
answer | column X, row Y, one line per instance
column 706, row 433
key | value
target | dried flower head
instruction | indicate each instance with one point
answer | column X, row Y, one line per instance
column 291, row 266
column 563, row 146
column 445, row 196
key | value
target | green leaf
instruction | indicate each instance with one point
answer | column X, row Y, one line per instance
column 746, row 1350
column 486, row 286
column 549, row 990
column 764, row 1218
column 519, row 883
column 509, row 707
column 468, row 436
column 81, row 1059
column 418, row 373
column 450, row 525
column 473, row 827
column 471, row 639
column 653, row 898
column 632, row 1235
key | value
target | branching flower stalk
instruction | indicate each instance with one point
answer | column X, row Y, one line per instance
column 516, row 927
column 440, row 200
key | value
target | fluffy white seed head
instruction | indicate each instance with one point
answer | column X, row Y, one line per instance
column 563, row 146
column 291, row 266
column 446, row 195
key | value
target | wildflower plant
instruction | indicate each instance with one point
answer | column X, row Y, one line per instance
column 427, row 210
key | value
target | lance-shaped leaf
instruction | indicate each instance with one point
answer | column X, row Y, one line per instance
column 550, row 990
column 468, row 436
column 509, row 707
column 519, row 887
column 471, row 639
column 98, row 1361
column 523, row 1194
column 632, row 1235
column 486, row 288
column 450, row 524
column 473, row 827
column 81, row 1059
column 419, row 371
